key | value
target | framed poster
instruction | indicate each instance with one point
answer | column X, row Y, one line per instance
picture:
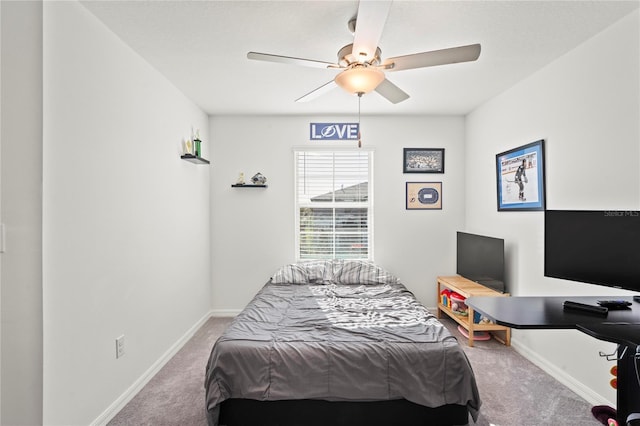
column 520, row 178
column 424, row 196
column 423, row 160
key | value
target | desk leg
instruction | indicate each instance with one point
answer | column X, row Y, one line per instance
column 628, row 395
column 470, row 315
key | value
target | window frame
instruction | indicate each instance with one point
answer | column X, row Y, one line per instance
column 368, row 205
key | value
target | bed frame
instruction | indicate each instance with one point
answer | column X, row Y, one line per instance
column 248, row 412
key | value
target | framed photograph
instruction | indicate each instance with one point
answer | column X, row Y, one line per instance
column 423, row 160
column 520, row 178
column 424, row 196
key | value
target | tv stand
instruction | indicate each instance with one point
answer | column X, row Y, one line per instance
column 468, row 288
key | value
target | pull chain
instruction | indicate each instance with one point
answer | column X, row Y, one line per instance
column 359, row 134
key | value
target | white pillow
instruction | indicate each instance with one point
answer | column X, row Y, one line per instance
column 309, row 272
column 361, row 272
column 333, row 271
column 290, row 274
column 318, row 271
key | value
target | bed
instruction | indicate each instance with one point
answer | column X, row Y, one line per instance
column 338, row 342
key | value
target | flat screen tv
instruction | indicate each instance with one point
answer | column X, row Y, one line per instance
column 480, row 258
column 596, row 247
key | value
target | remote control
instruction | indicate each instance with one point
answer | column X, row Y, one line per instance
column 584, row 308
column 614, row 304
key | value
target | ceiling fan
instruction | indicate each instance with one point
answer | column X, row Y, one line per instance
column 361, row 65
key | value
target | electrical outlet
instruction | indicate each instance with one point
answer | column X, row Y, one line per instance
column 120, row 347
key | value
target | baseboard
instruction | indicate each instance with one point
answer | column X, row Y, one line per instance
column 225, row 312
column 133, row 390
column 580, row 389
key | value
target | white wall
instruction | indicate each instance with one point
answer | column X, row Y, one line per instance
column 126, row 222
column 586, row 106
column 0, row 210
column 253, row 229
column 21, row 200
column 127, row 247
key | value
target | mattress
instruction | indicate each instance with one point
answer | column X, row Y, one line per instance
column 342, row 338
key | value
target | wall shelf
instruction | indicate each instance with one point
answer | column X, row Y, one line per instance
column 248, row 186
column 193, row 159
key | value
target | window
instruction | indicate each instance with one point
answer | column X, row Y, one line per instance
column 334, row 204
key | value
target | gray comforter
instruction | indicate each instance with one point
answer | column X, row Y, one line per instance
column 339, row 343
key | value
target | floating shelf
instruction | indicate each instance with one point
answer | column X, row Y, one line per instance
column 193, row 159
column 248, row 186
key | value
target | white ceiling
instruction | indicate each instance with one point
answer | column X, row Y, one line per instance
column 201, row 47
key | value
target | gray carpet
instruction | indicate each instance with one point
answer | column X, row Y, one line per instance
column 514, row 391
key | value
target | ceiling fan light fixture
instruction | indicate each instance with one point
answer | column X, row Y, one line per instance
column 359, row 79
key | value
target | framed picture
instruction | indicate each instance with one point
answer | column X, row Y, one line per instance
column 424, row 196
column 423, row 160
column 520, row 178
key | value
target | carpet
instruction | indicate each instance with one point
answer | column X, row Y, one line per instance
column 514, row 391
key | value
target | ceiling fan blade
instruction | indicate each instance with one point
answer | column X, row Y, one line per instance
column 372, row 15
column 317, row 92
column 433, row 58
column 391, row 92
column 290, row 60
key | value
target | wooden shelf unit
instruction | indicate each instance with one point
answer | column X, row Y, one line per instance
column 468, row 288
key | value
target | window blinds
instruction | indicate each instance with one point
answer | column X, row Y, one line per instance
column 333, row 204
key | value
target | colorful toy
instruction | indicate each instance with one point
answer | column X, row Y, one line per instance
column 457, row 304
column 614, row 382
column 445, row 295
column 477, row 335
column 604, row 414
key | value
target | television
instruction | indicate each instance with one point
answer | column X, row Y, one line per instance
column 595, row 247
column 480, row 258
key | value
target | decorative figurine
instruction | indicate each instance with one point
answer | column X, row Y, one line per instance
column 196, row 144
column 240, row 180
column 258, row 179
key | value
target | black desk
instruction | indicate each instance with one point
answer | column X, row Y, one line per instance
column 619, row 326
